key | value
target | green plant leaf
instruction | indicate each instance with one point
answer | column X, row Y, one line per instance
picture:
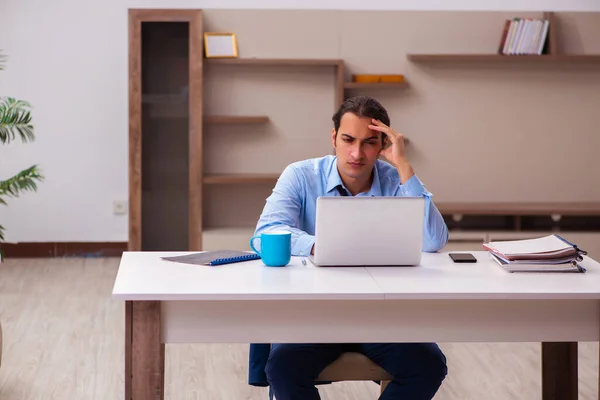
column 23, row 181
column 15, row 120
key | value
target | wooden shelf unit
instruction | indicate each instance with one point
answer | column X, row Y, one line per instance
column 552, row 56
column 185, row 145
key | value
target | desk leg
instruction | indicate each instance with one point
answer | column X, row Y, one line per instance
column 128, row 327
column 559, row 371
column 144, row 352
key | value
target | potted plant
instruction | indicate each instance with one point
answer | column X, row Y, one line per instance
column 15, row 122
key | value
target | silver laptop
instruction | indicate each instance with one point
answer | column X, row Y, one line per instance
column 361, row 231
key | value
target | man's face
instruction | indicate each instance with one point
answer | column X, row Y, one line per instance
column 356, row 146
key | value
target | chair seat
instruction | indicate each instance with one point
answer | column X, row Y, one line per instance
column 353, row 367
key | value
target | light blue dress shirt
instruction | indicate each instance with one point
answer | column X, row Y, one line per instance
column 292, row 205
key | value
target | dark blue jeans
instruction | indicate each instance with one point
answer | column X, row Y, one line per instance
column 418, row 369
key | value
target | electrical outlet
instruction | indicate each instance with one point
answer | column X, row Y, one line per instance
column 119, row 207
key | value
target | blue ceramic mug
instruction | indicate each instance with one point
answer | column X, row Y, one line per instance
column 275, row 248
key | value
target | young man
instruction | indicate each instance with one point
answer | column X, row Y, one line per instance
column 361, row 134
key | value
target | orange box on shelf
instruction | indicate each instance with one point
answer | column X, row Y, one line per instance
column 365, row 78
column 391, row 78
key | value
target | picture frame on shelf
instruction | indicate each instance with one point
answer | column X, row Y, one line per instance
column 220, row 45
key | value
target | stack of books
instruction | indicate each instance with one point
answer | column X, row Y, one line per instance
column 524, row 36
column 550, row 253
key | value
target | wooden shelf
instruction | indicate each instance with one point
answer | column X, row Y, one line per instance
column 519, row 208
column 506, row 59
column 382, row 85
column 235, row 119
column 553, row 56
column 240, row 178
column 274, row 61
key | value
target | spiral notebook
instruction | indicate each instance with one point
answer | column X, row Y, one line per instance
column 217, row 257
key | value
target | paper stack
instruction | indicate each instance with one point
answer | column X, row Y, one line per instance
column 550, row 253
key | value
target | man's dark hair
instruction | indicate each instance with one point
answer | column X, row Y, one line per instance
column 361, row 106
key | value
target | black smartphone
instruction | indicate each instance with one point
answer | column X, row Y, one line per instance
column 463, row 257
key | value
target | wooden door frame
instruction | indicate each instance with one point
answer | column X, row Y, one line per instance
column 196, row 49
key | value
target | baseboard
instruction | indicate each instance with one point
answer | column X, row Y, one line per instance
column 63, row 249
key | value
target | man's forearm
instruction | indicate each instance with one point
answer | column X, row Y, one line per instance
column 404, row 170
column 436, row 231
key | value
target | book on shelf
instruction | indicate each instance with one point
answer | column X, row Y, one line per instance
column 550, row 253
column 524, row 36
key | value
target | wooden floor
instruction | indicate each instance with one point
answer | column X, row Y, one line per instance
column 63, row 339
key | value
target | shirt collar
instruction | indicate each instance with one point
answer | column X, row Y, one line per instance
column 334, row 180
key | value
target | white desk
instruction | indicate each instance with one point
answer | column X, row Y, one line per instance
column 168, row 302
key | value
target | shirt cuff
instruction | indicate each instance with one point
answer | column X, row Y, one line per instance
column 304, row 245
column 414, row 187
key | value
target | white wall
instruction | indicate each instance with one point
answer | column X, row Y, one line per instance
column 69, row 59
